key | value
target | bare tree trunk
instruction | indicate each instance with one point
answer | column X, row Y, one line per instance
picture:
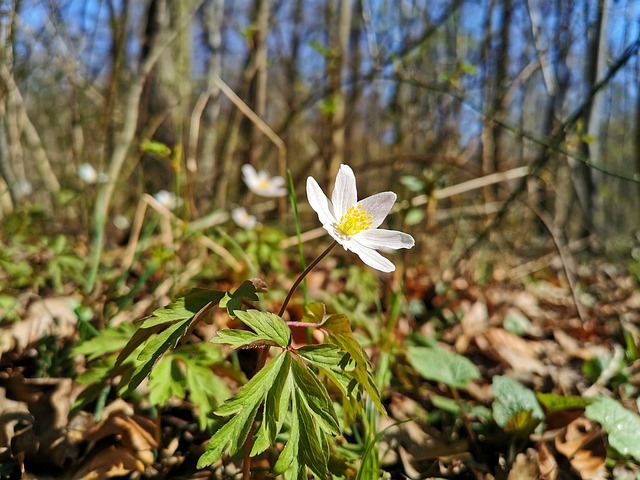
column 339, row 46
column 258, row 102
column 582, row 174
column 213, row 15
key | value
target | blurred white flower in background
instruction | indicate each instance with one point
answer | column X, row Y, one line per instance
column 121, row 222
column 243, row 219
column 167, row 199
column 261, row 183
column 354, row 224
column 22, row 188
column 87, row 173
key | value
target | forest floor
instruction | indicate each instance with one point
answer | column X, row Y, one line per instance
column 544, row 351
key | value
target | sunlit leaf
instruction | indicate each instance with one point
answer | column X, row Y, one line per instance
column 266, row 325
column 622, row 425
column 444, row 366
column 183, row 307
column 232, row 301
column 553, row 402
column 515, row 408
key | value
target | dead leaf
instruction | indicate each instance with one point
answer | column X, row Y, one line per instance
column 525, row 467
column 583, row 445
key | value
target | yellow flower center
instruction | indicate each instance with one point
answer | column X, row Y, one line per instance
column 264, row 183
column 354, row 221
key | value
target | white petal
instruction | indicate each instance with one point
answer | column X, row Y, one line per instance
column 378, row 206
column 277, row 182
column 319, row 202
column 344, row 194
column 249, row 174
column 380, row 238
column 371, row 257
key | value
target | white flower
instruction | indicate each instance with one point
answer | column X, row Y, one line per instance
column 167, row 199
column 243, row 219
column 22, row 188
column 354, row 224
column 261, row 183
column 87, row 173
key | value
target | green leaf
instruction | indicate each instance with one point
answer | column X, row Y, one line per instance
column 622, row 425
column 233, row 301
column 316, row 397
column 206, row 391
column 240, row 338
column 276, row 405
column 444, row 366
column 286, row 461
column 166, row 380
column 414, row 184
column 334, row 362
column 184, row 306
column 245, row 405
column 159, row 148
column 311, row 450
column 108, row 341
column 515, row 408
column 555, row 403
column 151, row 351
column 338, row 330
column 414, row 216
column 266, row 325
column 255, row 390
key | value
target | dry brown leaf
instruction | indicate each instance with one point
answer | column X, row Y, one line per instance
column 583, row 444
column 111, row 461
column 473, row 323
column 520, row 354
column 547, row 463
column 137, row 434
column 47, row 316
column 525, row 467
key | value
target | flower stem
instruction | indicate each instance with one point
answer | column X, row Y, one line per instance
column 301, row 277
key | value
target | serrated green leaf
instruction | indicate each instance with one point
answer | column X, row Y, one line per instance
column 151, row 351
column 166, row 380
column 266, row 325
column 622, row 425
column 555, row 403
column 108, row 341
column 338, row 330
column 440, row 365
column 232, row 301
column 240, row 338
column 315, row 395
column 515, row 408
column 255, row 390
column 334, row 362
column 311, row 450
column 232, row 434
column 206, row 391
column 276, row 405
column 184, row 306
column 287, row 459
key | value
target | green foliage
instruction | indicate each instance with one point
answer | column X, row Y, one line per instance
column 42, row 263
column 290, row 393
column 622, row 425
column 159, row 148
column 515, row 408
column 440, row 365
column 233, row 301
column 133, row 351
column 554, row 403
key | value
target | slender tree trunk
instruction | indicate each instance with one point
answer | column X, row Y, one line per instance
column 339, row 43
column 213, row 16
